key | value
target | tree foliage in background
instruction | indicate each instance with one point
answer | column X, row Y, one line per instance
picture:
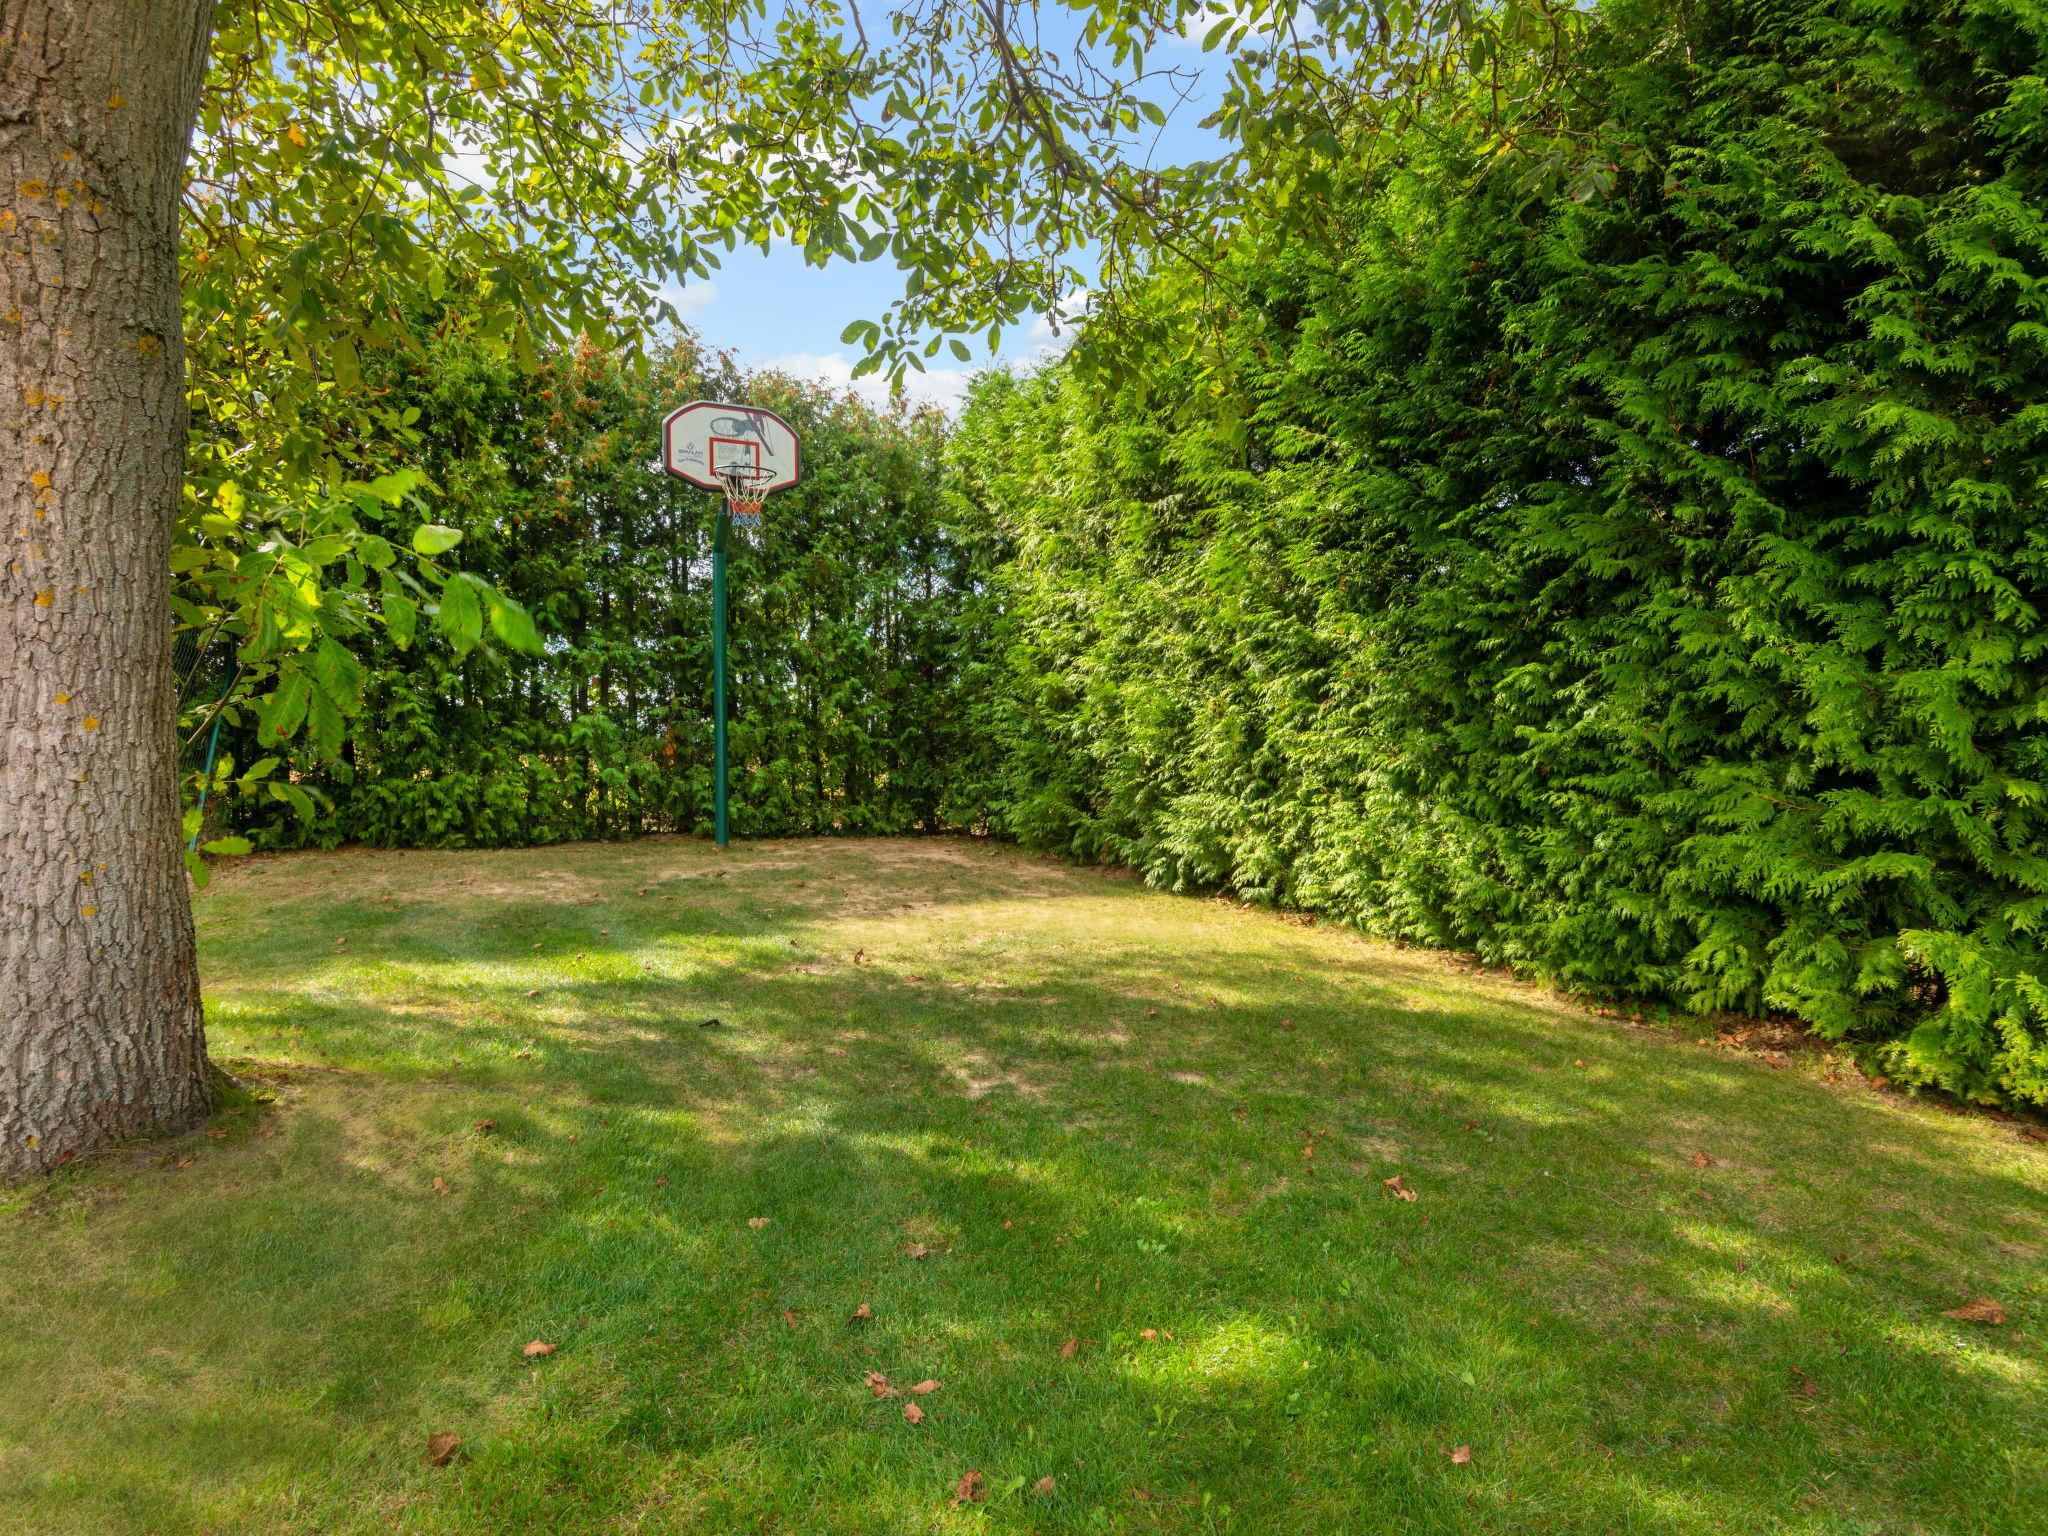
column 370, row 180
column 846, row 621
column 1639, row 583
column 534, row 172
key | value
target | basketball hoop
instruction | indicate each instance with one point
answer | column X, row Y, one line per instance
column 746, row 488
column 741, row 450
column 745, row 452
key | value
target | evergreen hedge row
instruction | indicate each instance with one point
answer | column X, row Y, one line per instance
column 845, row 618
column 1632, row 575
column 1640, row 585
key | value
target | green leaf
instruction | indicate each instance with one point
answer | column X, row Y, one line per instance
column 435, row 539
column 228, row 847
column 284, row 710
column 401, row 617
column 460, row 616
column 325, row 724
column 339, row 675
column 514, row 625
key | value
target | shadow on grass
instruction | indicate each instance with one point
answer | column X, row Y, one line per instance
column 1093, row 1128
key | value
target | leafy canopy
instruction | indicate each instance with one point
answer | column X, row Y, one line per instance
column 372, row 174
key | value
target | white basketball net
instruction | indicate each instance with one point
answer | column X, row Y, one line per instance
column 746, row 488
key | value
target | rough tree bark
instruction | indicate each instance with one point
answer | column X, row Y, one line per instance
column 100, row 1028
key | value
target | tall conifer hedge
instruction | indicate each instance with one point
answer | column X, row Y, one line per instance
column 847, row 614
column 1641, row 584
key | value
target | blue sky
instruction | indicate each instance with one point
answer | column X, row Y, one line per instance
column 773, row 310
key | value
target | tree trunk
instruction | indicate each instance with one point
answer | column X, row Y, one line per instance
column 101, row 1035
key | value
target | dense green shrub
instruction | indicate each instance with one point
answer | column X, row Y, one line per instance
column 843, row 623
column 1638, row 584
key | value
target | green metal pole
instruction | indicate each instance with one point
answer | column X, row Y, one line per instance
column 718, row 672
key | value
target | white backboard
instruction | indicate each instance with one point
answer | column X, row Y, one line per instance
column 706, row 435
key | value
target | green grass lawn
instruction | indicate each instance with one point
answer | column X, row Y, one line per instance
column 1652, row 1285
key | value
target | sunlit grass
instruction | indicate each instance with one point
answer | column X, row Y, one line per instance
column 1154, row 1126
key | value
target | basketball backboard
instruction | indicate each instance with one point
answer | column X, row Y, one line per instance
column 706, row 437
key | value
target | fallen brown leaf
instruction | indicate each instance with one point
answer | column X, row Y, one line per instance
column 185, row 1162
column 916, row 1251
column 1702, row 1160
column 537, row 1348
column 661, row 1181
column 913, row 1414
column 265, row 1131
column 879, row 1385
column 441, row 1186
column 1459, row 1454
column 215, row 1133
column 1148, row 1334
column 1982, row 1310
column 487, row 1126
column 757, row 1221
column 925, row 1386
column 1043, row 1485
column 1400, row 1189
column 861, row 1313
column 532, row 991
column 441, row 1448
column 1067, row 1349
column 789, row 1318
column 1142, row 1495
column 1804, row 1385
column 971, row 1489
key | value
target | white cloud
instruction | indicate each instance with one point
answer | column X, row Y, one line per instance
column 943, row 387
column 1197, row 25
column 946, row 388
column 1044, row 340
column 689, row 299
